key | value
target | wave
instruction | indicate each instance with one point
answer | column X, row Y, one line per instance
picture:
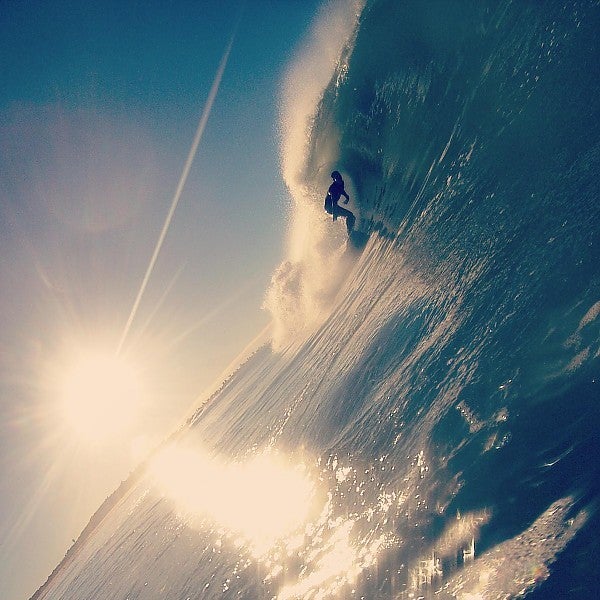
column 455, row 127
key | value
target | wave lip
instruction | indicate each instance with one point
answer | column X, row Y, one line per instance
column 304, row 284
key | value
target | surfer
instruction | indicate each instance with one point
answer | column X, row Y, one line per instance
column 336, row 190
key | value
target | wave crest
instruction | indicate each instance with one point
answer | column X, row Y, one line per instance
column 305, row 283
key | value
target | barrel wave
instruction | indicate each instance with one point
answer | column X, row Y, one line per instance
column 425, row 422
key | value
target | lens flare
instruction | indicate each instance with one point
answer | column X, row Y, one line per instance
column 181, row 184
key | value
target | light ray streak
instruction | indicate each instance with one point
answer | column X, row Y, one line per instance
column 242, row 291
column 159, row 304
column 184, row 175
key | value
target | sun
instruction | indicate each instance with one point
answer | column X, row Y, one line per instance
column 100, row 397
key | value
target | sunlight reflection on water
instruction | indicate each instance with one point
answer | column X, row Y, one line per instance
column 262, row 499
column 310, row 528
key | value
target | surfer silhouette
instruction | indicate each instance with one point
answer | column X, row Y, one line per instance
column 335, row 192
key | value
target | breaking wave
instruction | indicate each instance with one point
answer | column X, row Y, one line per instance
column 304, row 285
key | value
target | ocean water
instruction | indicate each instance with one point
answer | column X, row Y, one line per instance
column 425, row 422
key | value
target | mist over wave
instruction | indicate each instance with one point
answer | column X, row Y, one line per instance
column 305, row 284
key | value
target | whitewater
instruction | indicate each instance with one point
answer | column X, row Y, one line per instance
column 424, row 422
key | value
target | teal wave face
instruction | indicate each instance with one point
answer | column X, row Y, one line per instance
column 471, row 134
column 459, row 103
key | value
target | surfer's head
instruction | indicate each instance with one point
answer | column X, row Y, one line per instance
column 336, row 175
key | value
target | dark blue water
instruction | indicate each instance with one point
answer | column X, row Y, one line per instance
column 446, row 401
column 471, row 134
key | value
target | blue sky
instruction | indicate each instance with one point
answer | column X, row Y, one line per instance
column 98, row 109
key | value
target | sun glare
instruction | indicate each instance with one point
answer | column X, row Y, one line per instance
column 262, row 499
column 100, row 396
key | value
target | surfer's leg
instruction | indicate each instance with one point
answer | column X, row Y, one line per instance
column 350, row 218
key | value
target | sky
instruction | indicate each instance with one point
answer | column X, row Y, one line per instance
column 99, row 107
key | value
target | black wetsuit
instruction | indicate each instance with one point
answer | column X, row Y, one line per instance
column 336, row 190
